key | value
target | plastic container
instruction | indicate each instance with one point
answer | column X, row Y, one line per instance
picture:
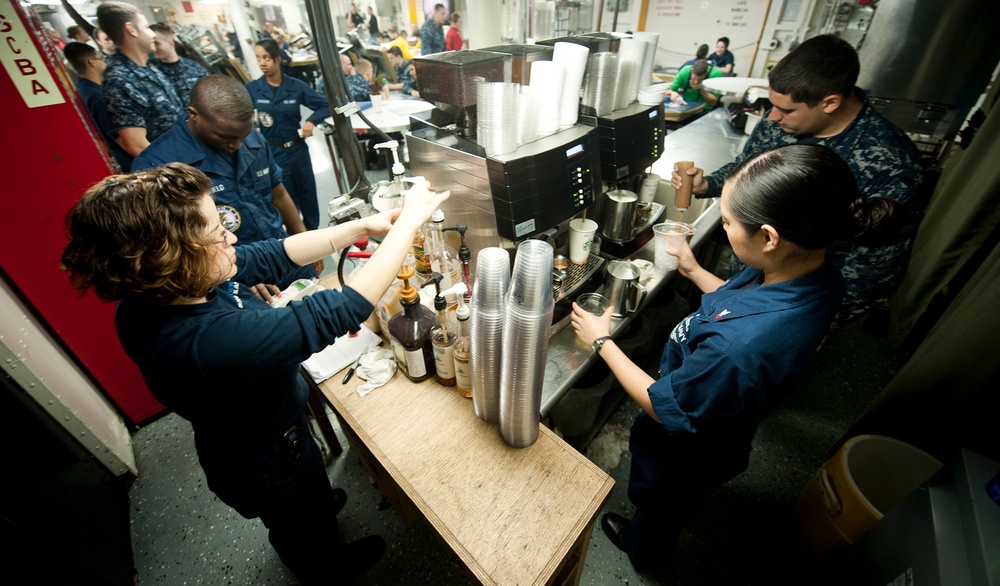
column 868, row 476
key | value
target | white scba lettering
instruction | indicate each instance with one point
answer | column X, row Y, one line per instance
column 265, row 171
column 218, row 188
column 23, row 63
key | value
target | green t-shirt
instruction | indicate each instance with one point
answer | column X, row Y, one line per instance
column 690, row 95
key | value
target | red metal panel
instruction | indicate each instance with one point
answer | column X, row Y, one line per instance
column 51, row 155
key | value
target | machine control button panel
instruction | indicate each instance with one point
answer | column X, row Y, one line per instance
column 579, row 179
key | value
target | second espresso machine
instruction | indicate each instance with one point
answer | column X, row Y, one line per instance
column 534, row 191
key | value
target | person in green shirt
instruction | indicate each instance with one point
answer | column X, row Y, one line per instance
column 688, row 86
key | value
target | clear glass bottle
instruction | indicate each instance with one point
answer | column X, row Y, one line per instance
column 462, row 351
column 410, row 332
column 443, row 258
column 442, row 336
column 421, row 262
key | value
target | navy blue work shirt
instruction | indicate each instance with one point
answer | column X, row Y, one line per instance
column 745, row 348
column 242, row 193
column 278, row 114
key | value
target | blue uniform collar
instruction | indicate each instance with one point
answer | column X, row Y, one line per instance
column 275, row 93
column 731, row 301
column 208, row 159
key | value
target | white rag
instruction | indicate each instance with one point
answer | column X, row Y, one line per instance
column 376, row 367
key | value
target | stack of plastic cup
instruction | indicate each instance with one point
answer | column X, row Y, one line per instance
column 527, row 115
column 527, row 324
column 599, row 82
column 486, row 330
column 497, row 107
column 623, row 81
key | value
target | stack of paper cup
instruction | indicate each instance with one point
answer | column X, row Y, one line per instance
column 547, row 85
column 646, row 71
column 632, row 51
column 573, row 58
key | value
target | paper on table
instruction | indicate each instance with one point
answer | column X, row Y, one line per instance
column 339, row 355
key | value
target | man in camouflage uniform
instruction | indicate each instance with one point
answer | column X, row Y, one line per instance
column 360, row 92
column 404, row 81
column 816, row 102
column 182, row 72
column 141, row 100
column 432, row 33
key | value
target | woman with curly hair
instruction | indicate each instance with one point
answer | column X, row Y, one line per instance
column 225, row 360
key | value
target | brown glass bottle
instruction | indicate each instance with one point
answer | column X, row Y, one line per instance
column 410, row 332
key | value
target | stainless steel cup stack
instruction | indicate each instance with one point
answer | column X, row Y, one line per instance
column 527, row 324
column 599, row 82
column 486, row 330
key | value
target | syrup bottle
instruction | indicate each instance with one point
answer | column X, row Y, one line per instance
column 443, row 258
column 442, row 339
column 462, row 352
column 410, row 332
column 464, row 256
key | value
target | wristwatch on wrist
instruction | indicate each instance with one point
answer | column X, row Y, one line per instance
column 598, row 343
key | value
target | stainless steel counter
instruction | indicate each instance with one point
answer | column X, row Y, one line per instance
column 711, row 143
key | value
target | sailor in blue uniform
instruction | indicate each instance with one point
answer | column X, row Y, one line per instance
column 278, row 98
column 216, row 136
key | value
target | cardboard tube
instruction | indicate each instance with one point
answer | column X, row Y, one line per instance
column 682, row 197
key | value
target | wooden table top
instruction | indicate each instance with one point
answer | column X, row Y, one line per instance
column 512, row 515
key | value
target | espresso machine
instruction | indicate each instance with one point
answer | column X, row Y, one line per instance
column 532, row 192
column 521, row 58
column 630, row 141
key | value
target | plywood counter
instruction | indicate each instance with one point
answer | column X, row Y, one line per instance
column 512, row 516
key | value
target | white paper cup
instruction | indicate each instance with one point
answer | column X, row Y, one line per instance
column 376, row 102
column 668, row 234
column 647, row 192
column 581, row 236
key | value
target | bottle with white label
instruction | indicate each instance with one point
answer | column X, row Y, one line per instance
column 410, row 332
column 462, row 352
column 442, row 338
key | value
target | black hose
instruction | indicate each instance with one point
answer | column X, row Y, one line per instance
column 339, row 95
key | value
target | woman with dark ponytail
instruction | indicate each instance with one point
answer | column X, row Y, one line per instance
column 747, row 347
